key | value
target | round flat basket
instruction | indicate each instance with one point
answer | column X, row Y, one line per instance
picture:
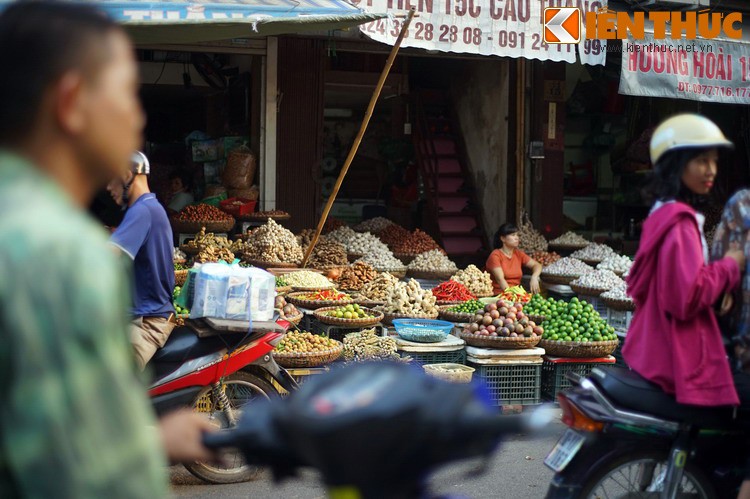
column 536, row 319
column 578, row 349
column 297, row 300
column 558, row 279
column 585, row 291
column 367, row 303
column 310, row 359
column 500, row 342
column 405, row 259
column 459, row 317
column 215, row 226
column 283, row 290
column 270, row 265
column 321, row 315
column 484, row 295
column 180, row 276
column 313, row 288
column 294, row 319
column 430, row 275
column 388, row 318
column 190, row 250
column 440, row 303
column 621, row 305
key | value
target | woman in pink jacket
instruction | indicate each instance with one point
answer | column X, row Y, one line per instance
column 674, row 339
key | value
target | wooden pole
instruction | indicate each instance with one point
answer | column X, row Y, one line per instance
column 520, row 143
column 358, row 138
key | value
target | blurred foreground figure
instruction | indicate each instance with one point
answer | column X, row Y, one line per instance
column 75, row 420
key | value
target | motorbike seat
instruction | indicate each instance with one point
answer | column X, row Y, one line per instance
column 629, row 390
column 183, row 344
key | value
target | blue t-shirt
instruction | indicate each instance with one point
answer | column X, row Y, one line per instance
column 146, row 236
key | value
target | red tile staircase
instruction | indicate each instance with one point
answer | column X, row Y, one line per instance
column 448, row 183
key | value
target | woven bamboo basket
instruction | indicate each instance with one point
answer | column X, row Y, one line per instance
column 260, row 216
column 622, row 305
column 459, row 317
column 190, row 250
column 558, row 279
column 586, row 291
column 388, row 318
column 440, row 303
column 579, row 349
column 500, row 342
column 320, row 314
column 593, row 263
column 430, row 275
column 283, row 290
column 564, row 248
column 366, row 302
column 180, row 277
column 297, row 300
column 215, row 226
column 484, row 295
column 295, row 319
column 313, row 288
column 311, row 359
column 398, row 274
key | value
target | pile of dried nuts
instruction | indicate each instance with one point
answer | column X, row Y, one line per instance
column 270, row 213
column 364, row 243
column 332, row 224
column 570, row 239
column 378, row 288
column 392, row 234
column 304, row 238
column 214, row 254
column 202, row 213
column 433, row 261
column 273, row 243
column 373, row 225
column 356, row 276
column 545, row 258
column 342, row 235
column 479, row 283
column 531, row 240
column 327, row 254
column 415, row 243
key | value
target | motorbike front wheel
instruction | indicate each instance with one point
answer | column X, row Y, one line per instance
column 641, row 475
column 241, row 388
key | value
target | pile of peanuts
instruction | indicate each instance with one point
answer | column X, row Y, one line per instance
column 392, row 234
column 415, row 243
column 356, row 276
column 202, row 213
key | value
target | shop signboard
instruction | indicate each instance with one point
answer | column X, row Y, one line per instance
column 702, row 70
column 509, row 28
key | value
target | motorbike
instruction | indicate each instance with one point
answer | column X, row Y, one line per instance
column 219, row 373
column 373, row 430
column 627, row 438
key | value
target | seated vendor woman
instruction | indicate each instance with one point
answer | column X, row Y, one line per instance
column 506, row 262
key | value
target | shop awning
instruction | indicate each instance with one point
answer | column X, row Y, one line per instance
column 168, row 21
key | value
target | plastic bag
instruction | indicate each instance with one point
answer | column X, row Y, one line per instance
column 233, row 292
column 240, row 170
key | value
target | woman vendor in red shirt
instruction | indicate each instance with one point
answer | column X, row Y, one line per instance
column 506, row 262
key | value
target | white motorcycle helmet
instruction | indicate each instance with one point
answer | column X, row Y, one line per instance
column 685, row 131
column 139, row 165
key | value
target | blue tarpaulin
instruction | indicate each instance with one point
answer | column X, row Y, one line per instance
column 169, row 21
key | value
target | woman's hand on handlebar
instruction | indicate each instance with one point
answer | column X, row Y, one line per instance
column 182, row 436
column 738, row 256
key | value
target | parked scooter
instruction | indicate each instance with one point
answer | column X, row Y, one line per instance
column 219, row 374
column 373, row 430
column 628, row 439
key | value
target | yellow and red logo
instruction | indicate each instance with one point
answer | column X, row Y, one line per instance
column 562, row 25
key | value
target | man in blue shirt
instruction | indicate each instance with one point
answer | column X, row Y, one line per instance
column 146, row 237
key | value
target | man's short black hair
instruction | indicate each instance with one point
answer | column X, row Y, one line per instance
column 39, row 42
column 185, row 177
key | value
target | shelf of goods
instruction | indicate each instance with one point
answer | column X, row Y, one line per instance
column 513, row 377
column 555, row 370
column 451, row 350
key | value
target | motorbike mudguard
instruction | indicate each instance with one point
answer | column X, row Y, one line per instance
column 597, row 451
column 175, row 400
column 278, row 373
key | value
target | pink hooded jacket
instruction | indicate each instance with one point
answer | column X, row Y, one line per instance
column 674, row 339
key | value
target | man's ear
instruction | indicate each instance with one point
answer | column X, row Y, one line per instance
column 69, row 103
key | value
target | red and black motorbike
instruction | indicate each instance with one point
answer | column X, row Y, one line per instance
column 219, row 373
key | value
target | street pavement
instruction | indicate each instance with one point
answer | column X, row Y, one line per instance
column 515, row 471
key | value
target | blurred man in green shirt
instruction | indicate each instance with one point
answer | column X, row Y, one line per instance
column 75, row 420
